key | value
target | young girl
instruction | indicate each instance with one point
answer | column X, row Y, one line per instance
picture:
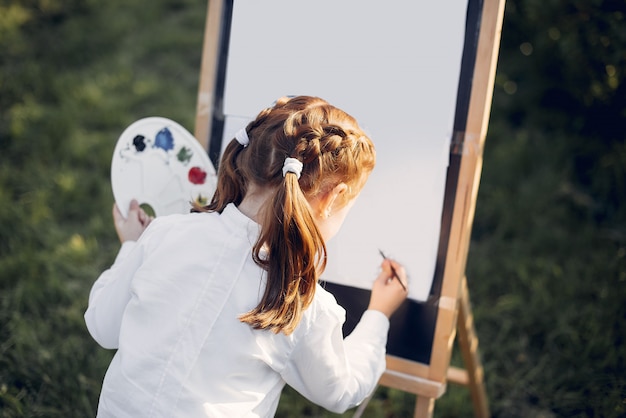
column 213, row 312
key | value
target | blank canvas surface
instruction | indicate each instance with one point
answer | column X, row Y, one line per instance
column 394, row 66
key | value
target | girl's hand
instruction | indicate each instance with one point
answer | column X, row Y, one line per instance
column 131, row 227
column 387, row 292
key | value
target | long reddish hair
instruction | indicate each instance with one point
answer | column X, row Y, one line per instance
column 333, row 150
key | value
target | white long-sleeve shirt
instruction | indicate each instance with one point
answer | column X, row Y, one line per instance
column 170, row 305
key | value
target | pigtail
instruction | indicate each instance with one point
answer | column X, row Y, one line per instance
column 293, row 252
column 231, row 187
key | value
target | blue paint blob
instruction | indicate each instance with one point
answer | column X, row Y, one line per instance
column 164, row 140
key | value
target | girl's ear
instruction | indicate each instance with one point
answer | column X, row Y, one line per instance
column 332, row 200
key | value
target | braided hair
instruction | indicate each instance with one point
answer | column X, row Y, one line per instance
column 333, row 149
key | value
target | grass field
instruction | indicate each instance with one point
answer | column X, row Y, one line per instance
column 547, row 264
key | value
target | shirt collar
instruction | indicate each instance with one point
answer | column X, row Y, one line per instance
column 235, row 218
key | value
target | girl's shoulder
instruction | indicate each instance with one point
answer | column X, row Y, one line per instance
column 324, row 306
column 162, row 227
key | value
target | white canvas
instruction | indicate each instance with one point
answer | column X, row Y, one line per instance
column 395, row 66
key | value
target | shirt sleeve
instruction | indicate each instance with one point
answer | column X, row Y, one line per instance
column 110, row 294
column 334, row 373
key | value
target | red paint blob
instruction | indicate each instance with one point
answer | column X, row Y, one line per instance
column 197, row 175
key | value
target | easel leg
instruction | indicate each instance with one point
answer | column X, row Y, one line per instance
column 424, row 407
column 468, row 343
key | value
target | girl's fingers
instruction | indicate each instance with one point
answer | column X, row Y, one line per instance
column 395, row 272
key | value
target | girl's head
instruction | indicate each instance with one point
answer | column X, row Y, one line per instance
column 305, row 208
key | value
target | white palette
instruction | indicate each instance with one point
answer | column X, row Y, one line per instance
column 159, row 163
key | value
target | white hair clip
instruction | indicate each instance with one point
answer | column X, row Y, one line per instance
column 242, row 137
column 292, row 165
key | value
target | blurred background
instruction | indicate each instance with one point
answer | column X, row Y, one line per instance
column 547, row 262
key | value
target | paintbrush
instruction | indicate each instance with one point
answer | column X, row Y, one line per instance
column 395, row 274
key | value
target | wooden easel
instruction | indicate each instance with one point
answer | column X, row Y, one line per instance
column 454, row 310
column 427, row 381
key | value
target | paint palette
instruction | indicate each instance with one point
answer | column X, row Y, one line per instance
column 159, row 163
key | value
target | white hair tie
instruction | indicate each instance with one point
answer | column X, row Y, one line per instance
column 292, row 165
column 242, row 137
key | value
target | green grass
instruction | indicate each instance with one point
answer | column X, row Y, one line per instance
column 547, row 264
column 548, row 286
